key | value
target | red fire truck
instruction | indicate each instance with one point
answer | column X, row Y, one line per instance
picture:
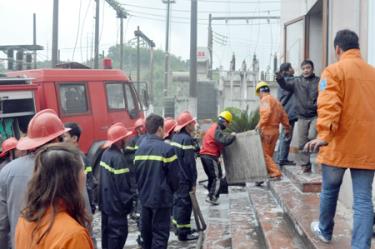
column 93, row 98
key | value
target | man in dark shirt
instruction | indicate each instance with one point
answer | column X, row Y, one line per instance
column 305, row 90
column 157, row 178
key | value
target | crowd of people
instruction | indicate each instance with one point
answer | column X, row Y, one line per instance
column 47, row 186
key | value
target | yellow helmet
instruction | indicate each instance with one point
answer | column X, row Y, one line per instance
column 227, row 116
column 260, row 85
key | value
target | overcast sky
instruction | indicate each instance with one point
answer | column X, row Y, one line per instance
column 76, row 27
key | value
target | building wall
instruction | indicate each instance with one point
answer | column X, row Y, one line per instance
column 348, row 14
column 316, row 46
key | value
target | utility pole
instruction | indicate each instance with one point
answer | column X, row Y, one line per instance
column 121, row 43
column 166, row 66
column 122, row 14
column 193, row 49
column 96, row 49
column 34, row 37
column 138, row 65
column 210, row 45
column 139, row 34
column 55, row 32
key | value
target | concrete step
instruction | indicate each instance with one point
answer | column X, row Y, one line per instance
column 243, row 223
column 305, row 182
column 218, row 234
column 303, row 208
column 277, row 232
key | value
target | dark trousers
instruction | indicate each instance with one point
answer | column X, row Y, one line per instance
column 114, row 231
column 155, row 224
column 214, row 173
column 182, row 210
column 284, row 144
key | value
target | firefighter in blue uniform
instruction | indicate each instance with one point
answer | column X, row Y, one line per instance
column 184, row 145
column 130, row 149
column 156, row 170
column 115, row 192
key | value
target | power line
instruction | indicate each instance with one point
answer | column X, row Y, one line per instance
column 201, row 11
column 161, row 19
column 235, row 2
column 78, row 28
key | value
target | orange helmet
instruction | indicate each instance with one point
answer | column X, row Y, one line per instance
column 43, row 127
column 8, row 145
column 169, row 125
column 184, row 119
column 115, row 133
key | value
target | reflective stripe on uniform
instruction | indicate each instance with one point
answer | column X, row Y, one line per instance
column 88, row 169
column 155, row 158
column 131, row 148
column 181, row 146
column 180, row 225
column 112, row 170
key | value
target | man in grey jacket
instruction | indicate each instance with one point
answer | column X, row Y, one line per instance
column 305, row 90
column 287, row 99
column 45, row 127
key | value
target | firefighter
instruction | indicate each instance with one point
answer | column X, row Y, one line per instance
column 130, row 149
column 45, row 127
column 213, row 142
column 271, row 115
column 115, row 192
column 8, row 151
column 73, row 137
column 169, row 125
column 183, row 143
column 156, row 171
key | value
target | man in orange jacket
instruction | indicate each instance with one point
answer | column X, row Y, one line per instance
column 346, row 138
column 271, row 115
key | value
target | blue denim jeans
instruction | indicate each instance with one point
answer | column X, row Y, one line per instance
column 362, row 203
column 284, row 144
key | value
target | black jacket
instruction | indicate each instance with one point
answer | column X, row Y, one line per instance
column 156, row 172
column 288, row 101
column 305, row 91
column 185, row 150
column 115, row 188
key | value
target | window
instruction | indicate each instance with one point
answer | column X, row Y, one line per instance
column 130, row 99
column 295, row 43
column 73, row 98
column 115, row 96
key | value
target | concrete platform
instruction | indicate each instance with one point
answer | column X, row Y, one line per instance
column 303, row 208
column 305, row 182
column 217, row 234
column 277, row 232
column 244, row 226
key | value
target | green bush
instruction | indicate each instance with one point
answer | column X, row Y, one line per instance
column 243, row 120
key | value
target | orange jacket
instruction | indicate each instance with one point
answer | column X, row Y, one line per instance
column 346, row 113
column 66, row 233
column 272, row 114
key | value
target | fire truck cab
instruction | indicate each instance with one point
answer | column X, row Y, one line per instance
column 95, row 99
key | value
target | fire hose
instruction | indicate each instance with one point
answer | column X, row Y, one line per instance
column 199, row 220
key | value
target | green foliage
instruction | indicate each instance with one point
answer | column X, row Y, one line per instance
column 243, row 120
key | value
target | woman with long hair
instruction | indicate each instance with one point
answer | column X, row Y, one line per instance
column 54, row 216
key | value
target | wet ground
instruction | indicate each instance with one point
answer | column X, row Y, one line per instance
column 131, row 242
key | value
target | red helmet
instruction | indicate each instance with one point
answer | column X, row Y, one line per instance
column 184, row 119
column 169, row 125
column 115, row 133
column 43, row 127
column 8, row 145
